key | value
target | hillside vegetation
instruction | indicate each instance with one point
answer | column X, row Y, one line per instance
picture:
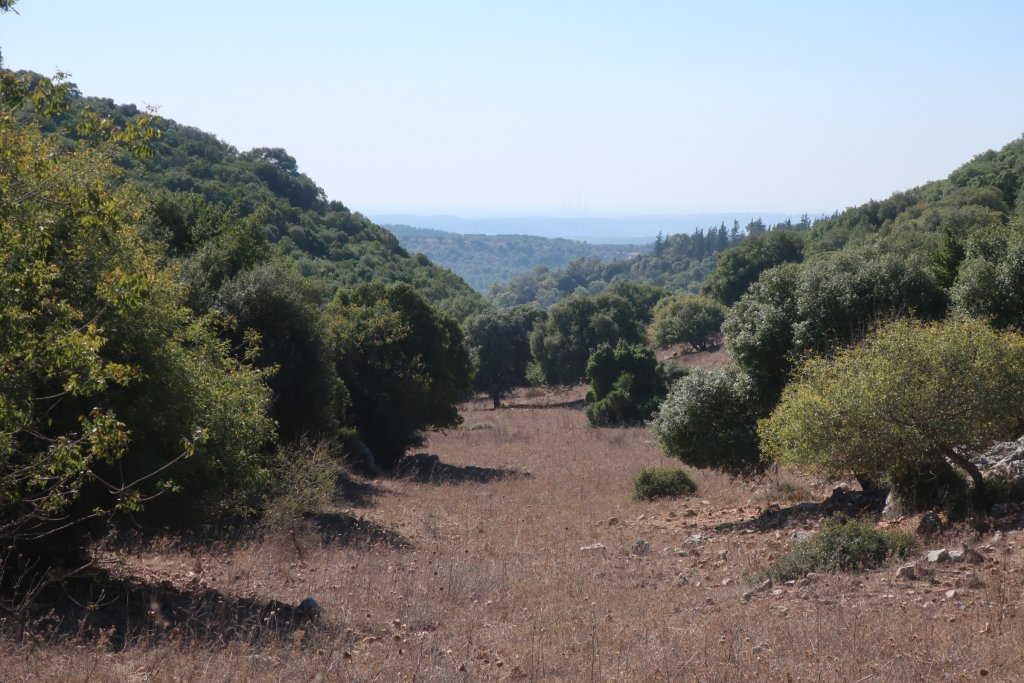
column 322, row 237
column 486, row 260
column 678, row 262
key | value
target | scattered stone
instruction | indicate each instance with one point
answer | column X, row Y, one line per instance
column 592, row 547
column 689, row 512
column 759, row 588
column 726, row 582
column 801, row 534
column 907, row 571
column 997, row 537
column 930, row 524
column 612, row 521
column 641, row 547
column 966, row 554
column 951, row 593
column 698, row 538
column 941, row 555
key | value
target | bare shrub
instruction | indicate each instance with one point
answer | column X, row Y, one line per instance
column 306, row 475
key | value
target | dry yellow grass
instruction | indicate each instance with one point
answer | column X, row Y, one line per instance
column 478, row 574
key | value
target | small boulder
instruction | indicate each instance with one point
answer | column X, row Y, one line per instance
column 940, row 555
column 592, row 548
column 907, row 571
column 759, row 588
column 966, row 554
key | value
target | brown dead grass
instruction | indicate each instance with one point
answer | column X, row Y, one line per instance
column 478, row 574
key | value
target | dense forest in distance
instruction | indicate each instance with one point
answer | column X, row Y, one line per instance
column 678, row 263
column 486, row 260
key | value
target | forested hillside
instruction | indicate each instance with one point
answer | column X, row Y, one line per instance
column 983, row 192
column 485, row 260
column 678, row 262
column 324, row 238
column 187, row 331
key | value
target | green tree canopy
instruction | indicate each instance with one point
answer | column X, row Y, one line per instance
column 740, row 266
column 499, row 344
column 405, row 366
column 110, row 389
column 626, row 384
column 576, row 326
column 708, row 420
column 828, row 302
column 990, row 281
column 687, row 319
column 911, row 395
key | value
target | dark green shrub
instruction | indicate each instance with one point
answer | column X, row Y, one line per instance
column 687, row 319
column 404, row 364
column 930, row 485
column 626, row 385
column 842, row 544
column 615, row 409
column 499, row 343
column 562, row 344
column 709, row 419
column 662, row 482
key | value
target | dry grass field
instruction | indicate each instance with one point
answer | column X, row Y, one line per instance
column 515, row 557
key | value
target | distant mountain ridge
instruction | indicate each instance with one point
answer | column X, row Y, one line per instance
column 608, row 230
column 486, row 260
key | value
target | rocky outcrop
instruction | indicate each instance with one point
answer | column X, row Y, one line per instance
column 1004, row 462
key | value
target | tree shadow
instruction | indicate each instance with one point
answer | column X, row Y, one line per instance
column 428, row 468
column 842, row 500
column 356, row 492
column 118, row 613
column 341, row 530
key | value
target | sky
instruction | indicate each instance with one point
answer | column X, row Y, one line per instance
column 562, row 108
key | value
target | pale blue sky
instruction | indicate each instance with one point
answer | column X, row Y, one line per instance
column 563, row 108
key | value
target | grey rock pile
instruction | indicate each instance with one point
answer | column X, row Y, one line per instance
column 1004, row 461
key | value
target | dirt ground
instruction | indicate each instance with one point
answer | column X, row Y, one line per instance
column 513, row 551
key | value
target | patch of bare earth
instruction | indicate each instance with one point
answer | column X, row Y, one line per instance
column 514, row 556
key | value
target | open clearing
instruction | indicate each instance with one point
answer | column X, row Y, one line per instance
column 517, row 558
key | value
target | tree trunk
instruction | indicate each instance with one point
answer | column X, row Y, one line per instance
column 980, row 490
column 496, row 397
